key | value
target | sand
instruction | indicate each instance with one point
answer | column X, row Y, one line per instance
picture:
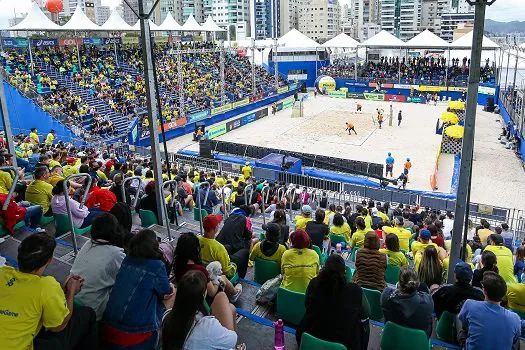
column 322, row 131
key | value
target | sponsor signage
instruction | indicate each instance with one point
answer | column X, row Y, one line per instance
column 216, row 131
column 248, row 118
column 288, row 102
column 69, row 41
column 355, row 95
column 417, row 99
column 458, row 89
column 256, row 97
column 486, row 90
column 130, row 40
column 108, row 41
column 338, row 94
column 261, row 113
column 93, row 41
column 240, row 103
column 278, row 106
column 44, row 42
column 173, row 124
column 282, row 89
column 15, row 42
column 395, row 98
column 405, row 86
column 221, row 109
column 233, row 124
column 325, row 83
column 293, row 86
column 195, row 117
column 374, row 97
column 432, row 88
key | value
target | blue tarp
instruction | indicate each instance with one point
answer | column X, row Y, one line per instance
column 455, row 174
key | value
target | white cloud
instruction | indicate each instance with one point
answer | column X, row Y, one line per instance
column 507, row 10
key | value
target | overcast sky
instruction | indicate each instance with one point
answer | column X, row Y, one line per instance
column 501, row 10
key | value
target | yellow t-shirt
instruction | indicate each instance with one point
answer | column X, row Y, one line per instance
column 395, row 258
column 505, row 262
column 102, row 175
column 446, row 261
column 327, row 214
column 299, row 267
column 6, row 181
column 448, row 244
column 277, row 256
column 53, row 163
column 49, row 139
column 483, row 234
column 358, row 238
column 33, row 136
column 40, row 193
column 417, row 246
column 246, row 171
column 419, row 256
column 212, row 250
column 403, row 235
column 301, row 221
column 69, row 170
column 220, row 181
column 53, row 179
column 383, row 216
column 28, row 302
column 516, row 296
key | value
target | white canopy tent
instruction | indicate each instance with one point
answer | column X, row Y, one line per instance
column 342, row 41
column 36, row 20
column 191, row 25
column 383, row 39
column 116, row 23
column 211, row 26
column 152, row 26
column 169, row 24
column 427, row 40
column 465, row 42
column 296, row 39
column 79, row 21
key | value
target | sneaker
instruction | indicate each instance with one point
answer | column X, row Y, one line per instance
column 236, row 296
column 39, row 230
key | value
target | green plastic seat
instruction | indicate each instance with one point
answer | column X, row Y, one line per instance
column 309, row 342
column 235, row 278
column 63, row 226
column 374, row 300
column 290, row 306
column 196, row 216
column 44, row 220
column 18, row 226
column 349, row 273
column 396, row 337
column 353, row 257
column 445, row 328
column 265, row 270
column 392, row 274
column 334, row 239
column 322, row 257
column 147, row 218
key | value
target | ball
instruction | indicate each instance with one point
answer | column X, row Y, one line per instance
column 54, row 6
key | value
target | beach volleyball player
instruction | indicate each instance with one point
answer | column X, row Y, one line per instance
column 350, row 127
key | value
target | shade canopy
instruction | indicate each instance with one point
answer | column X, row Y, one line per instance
column 427, row 40
column 79, row 21
column 36, row 20
column 169, row 24
column 296, row 39
column 383, row 39
column 465, row 42
column 191, row 25
column 115, row 23
column 342, row 41
column 211, row 26
column 152, row 26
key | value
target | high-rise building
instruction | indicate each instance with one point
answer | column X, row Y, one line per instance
column 166, row 6
column 129, row 16
column 451, row 21
column 103, row 14
column 289, row 18
column 264, row 19
column 364, row 16
column 401, row 18
column 320, row 19
column 195, row 8
column 234, row 15
column 431, row 11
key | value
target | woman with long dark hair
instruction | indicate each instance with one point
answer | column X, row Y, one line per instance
column 430, row 269
column 187, row 326
column 489, row 262
column 336, row 310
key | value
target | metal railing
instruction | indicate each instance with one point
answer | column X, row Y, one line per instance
column 68, row 206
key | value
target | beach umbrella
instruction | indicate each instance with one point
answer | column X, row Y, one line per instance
column 449, row 117
column 455, row 131
column 456, row 105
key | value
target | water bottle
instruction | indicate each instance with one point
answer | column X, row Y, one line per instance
column 279, row 335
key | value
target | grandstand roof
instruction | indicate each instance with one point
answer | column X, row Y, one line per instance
column 296, row 39
column 211, row 26
column 383, row 39
column 36, row 20
column 115, row 23
column 169, row 24
column 191, row 25
column 152, row 26
column 427, row 39
column 465, row 42
column 342, row 41
column 79, row 21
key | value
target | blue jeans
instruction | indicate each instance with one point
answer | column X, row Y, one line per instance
column 93, row 213
column 33, row 216
column 22, row 163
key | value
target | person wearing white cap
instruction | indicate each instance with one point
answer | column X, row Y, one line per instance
column 304, row 218
column 247, row 170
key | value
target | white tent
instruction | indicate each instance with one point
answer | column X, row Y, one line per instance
column 36, row 20
column 152, row 26
column 169, row 24
column 342, row 41
column 296, row 39
column 465, row 42
column 191, row 25
column 383, row 39
column 115, row 23
column 427, row 40
column 211, row 26
column 79, row 21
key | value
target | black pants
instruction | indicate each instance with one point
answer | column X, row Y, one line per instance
column 79, row 334
column 240, row 258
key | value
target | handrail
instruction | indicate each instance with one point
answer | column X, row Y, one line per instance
column 199, row 204
column 170, row 183
column 279, row 196
column 265, row 189
column 13, row 185
column 226, row 211
column 68, row 207
column 292, row 195
column 313, row 196
column 246, row 188
column 122, row 188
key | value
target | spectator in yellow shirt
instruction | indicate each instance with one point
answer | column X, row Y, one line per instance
column 55, row 175
column 50, row 138
column 504, row 257
column 269, row 248
column 300, row 264
column 485, row 232
column 304, row 218
column 247, row 170
column 40, row 192
column 341, row 228
column 403, row 234
column 423, row 241
column 33, row 137
column 394, row 255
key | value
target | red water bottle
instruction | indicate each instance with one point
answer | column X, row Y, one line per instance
column 279, row 335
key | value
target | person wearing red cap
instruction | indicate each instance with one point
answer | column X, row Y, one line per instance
column 212, row 250
column 300, row 263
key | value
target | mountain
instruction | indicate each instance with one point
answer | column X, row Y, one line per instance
column 504, row 27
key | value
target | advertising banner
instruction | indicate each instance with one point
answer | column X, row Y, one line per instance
column 233, row 124
column 324, row 83
column 337, row 94
column 374, row 97
column 240, row 103
column 261, row 113
column 108, row 41
column 248, row 118
column 278, row 106
column 486, row 90
column 431, row 88
column 221, row 109
column 130, row 40
column 256, row 97
column 293, row 86
column 93, row 41
column 355, row 95
column 69, row 41
column 195, row 117
column 395, row 98
column 406, row 86
column 15, row 42
column 216, row 131
column 282, row 89
column 288, row 102
column 173, row 124
column 44, row 42
column 418, row 99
